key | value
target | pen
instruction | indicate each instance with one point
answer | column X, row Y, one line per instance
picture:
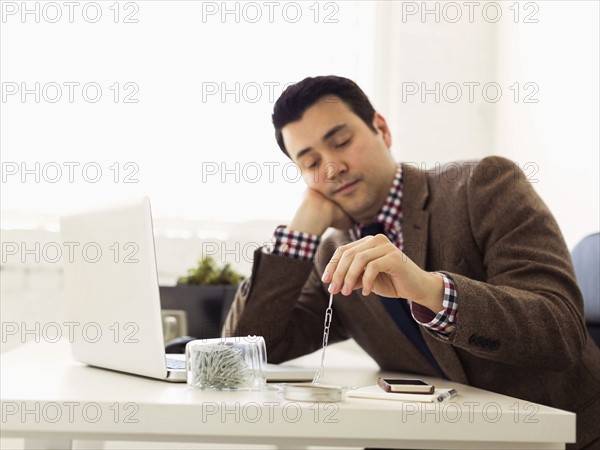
column 446, row 395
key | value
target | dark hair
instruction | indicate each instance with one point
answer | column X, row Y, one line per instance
column 298, row 97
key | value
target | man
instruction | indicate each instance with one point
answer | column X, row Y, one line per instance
column 461, row 274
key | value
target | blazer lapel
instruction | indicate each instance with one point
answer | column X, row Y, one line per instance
column 415, row 220
column 415, row 232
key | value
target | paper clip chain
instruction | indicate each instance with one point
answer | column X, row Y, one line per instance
column 327, row 324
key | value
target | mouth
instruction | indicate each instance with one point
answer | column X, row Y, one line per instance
column 346, row 188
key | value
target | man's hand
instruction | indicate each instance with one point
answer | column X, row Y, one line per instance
column 375, row 264
column 316, row 213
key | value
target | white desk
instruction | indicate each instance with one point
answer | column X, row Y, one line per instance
column 51, row 400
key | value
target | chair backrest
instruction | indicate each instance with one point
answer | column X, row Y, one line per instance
column 586, row 260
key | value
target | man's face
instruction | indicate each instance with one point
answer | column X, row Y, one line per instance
column 342, row 158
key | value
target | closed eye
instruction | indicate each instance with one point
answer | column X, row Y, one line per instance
column 343, row 143
column 313, row 165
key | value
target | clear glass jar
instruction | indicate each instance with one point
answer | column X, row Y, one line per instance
column 233, row 363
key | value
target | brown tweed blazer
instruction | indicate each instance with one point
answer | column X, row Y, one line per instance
column 519, row 325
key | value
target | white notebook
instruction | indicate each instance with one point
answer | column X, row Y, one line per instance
column 376, row 392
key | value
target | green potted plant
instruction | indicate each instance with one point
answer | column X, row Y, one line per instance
column 207, row 272
column 205, row 293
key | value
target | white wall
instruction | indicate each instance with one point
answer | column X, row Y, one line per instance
column 554, row 140
column 559, row 134
column 415, row 52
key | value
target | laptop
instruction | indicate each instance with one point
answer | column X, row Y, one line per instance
column 112, row 295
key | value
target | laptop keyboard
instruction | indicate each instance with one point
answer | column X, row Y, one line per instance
column 175, row 363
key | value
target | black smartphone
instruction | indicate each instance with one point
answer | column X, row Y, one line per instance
column 405, row 385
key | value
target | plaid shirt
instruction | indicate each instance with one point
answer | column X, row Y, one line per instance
column 300, row 245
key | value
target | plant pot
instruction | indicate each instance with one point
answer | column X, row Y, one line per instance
column 206, row 306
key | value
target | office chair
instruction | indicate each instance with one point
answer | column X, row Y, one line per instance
column 586, row 260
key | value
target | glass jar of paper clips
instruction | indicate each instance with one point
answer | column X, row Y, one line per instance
column 233, row 363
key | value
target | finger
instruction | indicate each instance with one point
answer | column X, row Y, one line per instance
column 335, row 259
column 373, row 269
column 354, row 273
column 331, row 265
column 347, row 253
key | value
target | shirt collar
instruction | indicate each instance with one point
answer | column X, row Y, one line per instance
column 390, row 214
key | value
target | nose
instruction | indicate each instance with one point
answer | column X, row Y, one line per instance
column 334, row 168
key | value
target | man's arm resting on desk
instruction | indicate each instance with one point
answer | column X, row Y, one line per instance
column 284, row 302
column 528, row 310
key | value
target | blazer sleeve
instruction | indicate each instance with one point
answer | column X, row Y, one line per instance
column 529, row 309
column 284, row 301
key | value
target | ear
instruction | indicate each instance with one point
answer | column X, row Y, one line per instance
column 381, row 126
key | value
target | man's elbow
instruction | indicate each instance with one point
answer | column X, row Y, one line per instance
column 571, row 348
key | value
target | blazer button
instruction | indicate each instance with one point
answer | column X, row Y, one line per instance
column 480, row 341
column 473, row 340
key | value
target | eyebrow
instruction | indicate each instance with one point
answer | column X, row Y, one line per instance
column 327, row 136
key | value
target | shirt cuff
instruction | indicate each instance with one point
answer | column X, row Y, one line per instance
column 443, row 323
column 294, row 244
